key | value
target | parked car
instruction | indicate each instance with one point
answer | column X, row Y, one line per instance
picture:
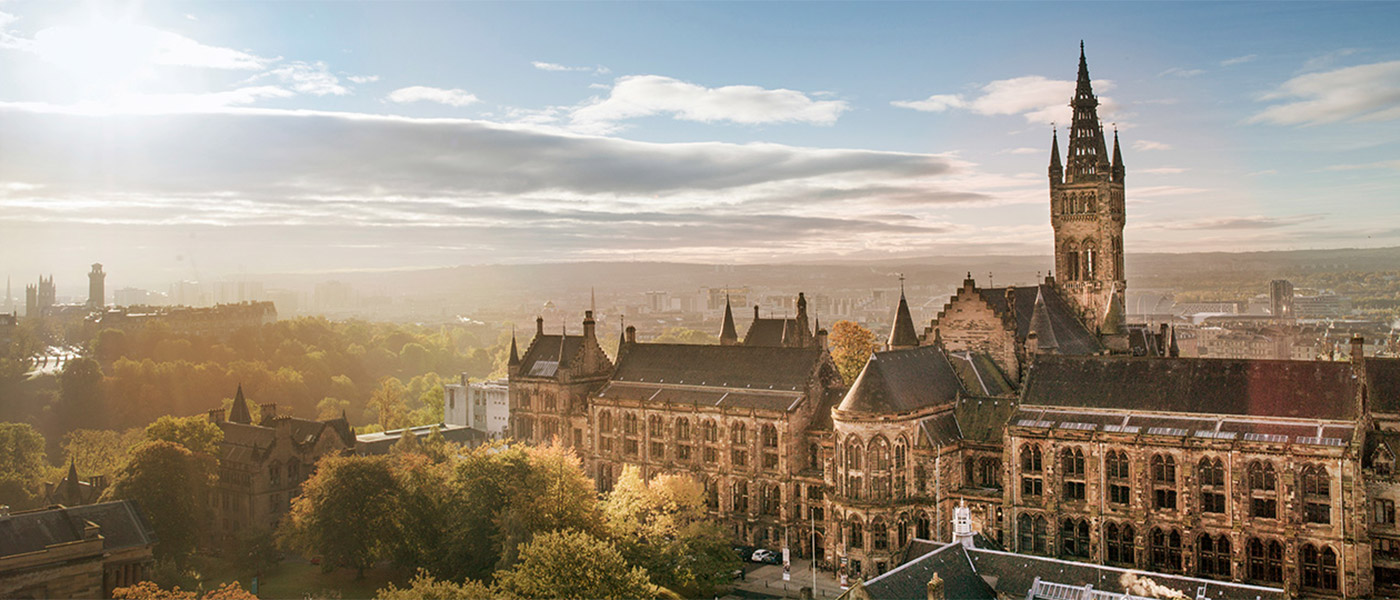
column 764, row 555
column 744, row 552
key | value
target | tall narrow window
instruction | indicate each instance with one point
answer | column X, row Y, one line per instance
column 1212, row 479
column 1120, row 544
column 1072, row 472
column 1074, row 538
column 1032, row 472
column 1119, row 484
column 1263, row 490
column 1317, row 495
column 1265, row 560
column 1319, row 567
column 1213, row 556
column 1032, row 532
column 1166, row 549
column 1164, row 482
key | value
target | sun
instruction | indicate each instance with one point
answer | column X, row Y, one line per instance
column 103, row 57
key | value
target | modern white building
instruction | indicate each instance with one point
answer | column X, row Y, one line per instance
column 481, row 405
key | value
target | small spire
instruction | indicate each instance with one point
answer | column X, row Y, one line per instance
column 621, row 332
column 1117, row 157
column 593, row 299
column 1040, row 324
column 239, row 413
column 514, row 353
column 728, row 335
column 902, row 334
column 1056, row 168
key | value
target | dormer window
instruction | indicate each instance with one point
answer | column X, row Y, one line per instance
column 1383, row 461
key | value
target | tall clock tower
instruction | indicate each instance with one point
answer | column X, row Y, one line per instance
column 1086, row 212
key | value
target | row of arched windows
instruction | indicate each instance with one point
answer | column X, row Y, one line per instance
column 875, row 535
column 877, row 462
column 1263, row 559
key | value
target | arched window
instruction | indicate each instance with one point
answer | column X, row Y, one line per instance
column 1032, row 532
column 1319, row 567
column 1119, row 484
column 1091, row 259
column 1164, row 481
column 708, row 431
column 1071, row 266
column 1166, row 549
column 770, row 436
column 1213, row 556
column 1265, row 560
column 1074, row 538
column 1263, row 490
column 1317, row 494
column 879, row 535
column 772, row 499
column 853, row 454
column 274, row 473
column 683, row 429
column 1211, row 473
column 1122, row 548
column 900, row 466
column 712, row 494
column 1072, row 472
column 878, row 464
column 1032, row 472
column 740, row 498
column 605, row 424
column 656, row 426
column 902, row 530
column 923, row 528
column 629, row 423
column 856, row 538
column 738, row 434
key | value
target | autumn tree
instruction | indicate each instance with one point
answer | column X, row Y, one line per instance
column 661, row 526
column 100, row 451
column 148, row 590
column 425, row 587
column 346, row 490
column 197, row 434
column 170, row 484
column 851, row 347
column 572, row 564
column 388, row 404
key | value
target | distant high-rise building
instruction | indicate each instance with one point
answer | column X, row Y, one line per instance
column 1281, row 298
column 97, row 294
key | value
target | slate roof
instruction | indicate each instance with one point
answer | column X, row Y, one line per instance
column 1275, row 388
column 1015, row 574
column 984, row 419
column 1383, row 383
column 909, row 581
column 980, row 374
column 902, row 334
column 751, row 367
column 1070, row 335
column 658, row 394
column 897, row 381
column 245, row 442
column 122, row 525
column 371, row 444
column 542, row 358
column 770, row 332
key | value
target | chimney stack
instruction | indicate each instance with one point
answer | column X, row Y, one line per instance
column 539, row 326
column 216, row 415
column 588, row 324
column 1358, row 348
column 755, row 312
column 935, row 588
column 821, row 339
column 631, row 334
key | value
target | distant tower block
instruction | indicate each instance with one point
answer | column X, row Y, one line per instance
column 97, row 290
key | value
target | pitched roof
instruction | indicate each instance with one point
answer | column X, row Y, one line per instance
column 726, row 330
column 984, row 419
column 122, row 526
column 910, row 580
column 980, row 374
column 239, row 412
column 381, row 442
column 1016, row 574
column 1071, row 337
column 543, row 357
column 1276, row 388
column 753, row 367
column 770, row 332
column 1383, row 384
column 896, row 381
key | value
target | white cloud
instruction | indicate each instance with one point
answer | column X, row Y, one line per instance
column 1148, row 145
column 1324, row 61
column 363, row 79
column 1180, row 72
column 1037, row 99
column 421, row 93
column 549, row 66
column 1162, row 170
column 637, row 96
column 1362, row 93
column 1238, row 60
column 1384, row 164
column 1024, row 151
column 124, row 45
column 313, row 78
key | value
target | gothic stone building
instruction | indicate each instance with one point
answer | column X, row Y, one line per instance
column 1065, row 431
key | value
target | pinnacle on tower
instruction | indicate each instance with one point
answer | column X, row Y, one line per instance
column 902, row 335
column 1086, row 146
column 239, row 412
column 1057, row 171
column 1041, row 326
column 728, row 335
column 514, row 354
column 1118, row 169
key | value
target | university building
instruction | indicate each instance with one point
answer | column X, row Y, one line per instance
column 1064, row 431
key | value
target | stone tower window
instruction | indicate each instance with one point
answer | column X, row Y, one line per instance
column 1122, row 548
column 1072, row 470
column 656, row 426
column 1317, row 495
column 1265, row 561
column 1032, row 472
column 1319, row 567
column 1074, row 538
column 1119, row 484
column 1213, row 555
column 856, row 537
column 1164, row 482
column 1032, row 533
column 1166, row 549
column 1263, row 490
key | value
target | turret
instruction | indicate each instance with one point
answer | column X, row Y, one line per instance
column 1042, row 331
column 1118, row 169
column 239, row 412
column 902, row 335
column 728, row 335
column 1057, row 171
column 514, row 352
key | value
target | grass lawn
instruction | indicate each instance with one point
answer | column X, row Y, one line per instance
column 296, row 579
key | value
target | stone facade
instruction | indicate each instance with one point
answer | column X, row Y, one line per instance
column 81, row 552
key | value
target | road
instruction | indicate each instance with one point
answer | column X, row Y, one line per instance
column 52, row 360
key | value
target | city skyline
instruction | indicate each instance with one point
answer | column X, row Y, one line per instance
column 171, row 141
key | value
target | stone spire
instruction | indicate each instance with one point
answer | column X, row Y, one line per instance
column 239, row 413
column 1086, row 147
column 1057, row 171
column 1041, row 327
column 902, row 335
column 514, row 353
column 74, row 491
column 1118, row 169
column 1114, row 315
column 728, row 336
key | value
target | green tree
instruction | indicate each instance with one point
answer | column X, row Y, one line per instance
column 572, row 564
column 851, row 347
column 425, row 587
column 682, row 335
column 169, row 483
column 388, row 404
column 100, row 451
column 80, row 395
column 661, row 526
column 345, row 490
column 23, row 464
column 197, row 434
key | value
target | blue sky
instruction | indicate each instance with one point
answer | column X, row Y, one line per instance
column 286, row 136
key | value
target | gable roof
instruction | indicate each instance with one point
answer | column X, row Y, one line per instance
column 1071, row 337
column 1016, row 574
column 902, row 333
column 122, row 526
column 1275, row 388
column 910, row 580
column 771, row 332
column 752, row 367
column 896, row 381
column 544, row 359
column 1383, row 384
